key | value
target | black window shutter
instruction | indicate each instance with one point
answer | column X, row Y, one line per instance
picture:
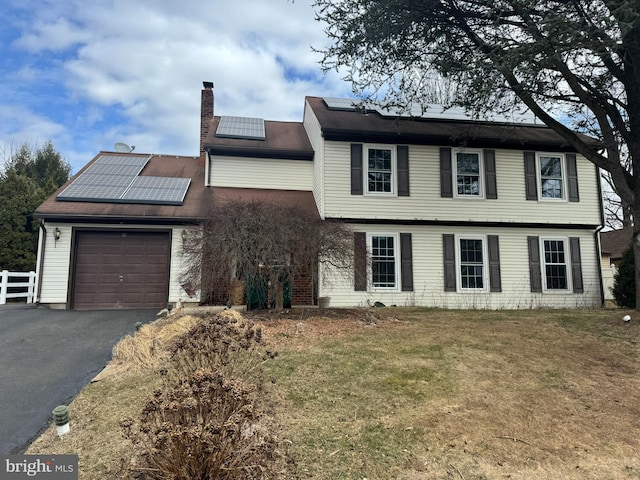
column 491, row 187
column 449, row 250
column 576, row 265
column 406, row 262
column 530, row 175
column 360, row 261
column 535, row 274
column 572, row 178
column 403, row 171
column 356, row 169
column 495, row 281
column 446, row 173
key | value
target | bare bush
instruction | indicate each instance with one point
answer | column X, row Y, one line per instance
column 213, row 419
column 249, row 240
column 207, row 427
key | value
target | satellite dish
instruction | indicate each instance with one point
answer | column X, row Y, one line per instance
column 124, row 148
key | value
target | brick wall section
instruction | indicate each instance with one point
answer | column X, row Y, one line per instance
column 206, row 115
column 302, row 291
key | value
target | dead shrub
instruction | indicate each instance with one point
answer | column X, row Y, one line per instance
column 227, row 343
column 207, row 427
column 213, row 418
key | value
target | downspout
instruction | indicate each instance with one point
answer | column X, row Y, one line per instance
column 43, row 244
column 599, row 258
column 597, row 236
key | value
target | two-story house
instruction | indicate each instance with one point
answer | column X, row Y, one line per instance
column 446, row 211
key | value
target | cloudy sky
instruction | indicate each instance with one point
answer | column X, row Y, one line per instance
column 87, row 74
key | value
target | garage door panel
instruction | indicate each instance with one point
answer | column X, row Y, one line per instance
column 121, row 269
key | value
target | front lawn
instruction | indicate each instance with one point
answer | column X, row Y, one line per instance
column 418, row 393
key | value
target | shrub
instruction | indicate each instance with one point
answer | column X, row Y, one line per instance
column 207, row 427
column 624, row 281
column 212, row 420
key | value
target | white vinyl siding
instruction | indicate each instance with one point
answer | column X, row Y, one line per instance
column 55, row 273
column 56, row 267
column 312, row 127
column 425, row 202
column 244, row 172
column 428, row 273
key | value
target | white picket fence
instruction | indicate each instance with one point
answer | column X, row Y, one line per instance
column 26, row 287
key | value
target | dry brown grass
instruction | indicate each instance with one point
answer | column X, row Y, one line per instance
column 415, row 393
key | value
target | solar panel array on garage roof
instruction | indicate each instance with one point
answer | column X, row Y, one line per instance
column 161, row 190
column 241, row 127
column 114, row 179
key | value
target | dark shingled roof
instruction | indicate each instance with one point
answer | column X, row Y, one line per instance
column 615, row 242
column 196, row 206
column 287, row 140
column 371, row 126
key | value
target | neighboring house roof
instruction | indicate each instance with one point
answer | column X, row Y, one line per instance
column 615, row 242
column 196, row 206
column 286, row 140
column 371, row 126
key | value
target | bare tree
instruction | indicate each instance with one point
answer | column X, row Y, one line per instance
column 253, row 241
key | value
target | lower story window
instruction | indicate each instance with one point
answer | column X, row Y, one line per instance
column 472, row 263
column 555, row 264
column 383, row 261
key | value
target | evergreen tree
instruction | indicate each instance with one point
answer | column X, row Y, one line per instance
column 624, row 281
column 29, row 178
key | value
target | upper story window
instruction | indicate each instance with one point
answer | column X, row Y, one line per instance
column 551, row 172
column 380, row 173
column 468, row 168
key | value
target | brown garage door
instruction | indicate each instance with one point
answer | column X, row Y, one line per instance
column 121, row 270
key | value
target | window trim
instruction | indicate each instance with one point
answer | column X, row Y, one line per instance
column 567, row 264
column 394, row 169
column 481, row 172
column 563, row 182
column 396, row 258
column 485, row 264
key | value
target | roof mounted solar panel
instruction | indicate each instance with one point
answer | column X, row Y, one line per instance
column 160, row 190
column 427, row 111
column 241, row 127
column 115, row 179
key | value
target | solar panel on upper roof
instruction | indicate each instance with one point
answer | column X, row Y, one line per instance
column 431, row 111
column 346, row 104
column 241, row 127
column 162, row 190
column 114, row 179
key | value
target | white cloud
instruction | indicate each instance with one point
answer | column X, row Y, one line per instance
column 132, row 71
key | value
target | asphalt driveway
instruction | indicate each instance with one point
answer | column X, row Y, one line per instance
column 46, row 357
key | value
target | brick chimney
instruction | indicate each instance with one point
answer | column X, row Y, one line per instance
column 206, row 116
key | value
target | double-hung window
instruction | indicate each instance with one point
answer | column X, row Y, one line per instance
column 468, row 171
column 551, row 174
column 380, row 165
column 555, row 257
column 384, row 261
column 472, row 263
